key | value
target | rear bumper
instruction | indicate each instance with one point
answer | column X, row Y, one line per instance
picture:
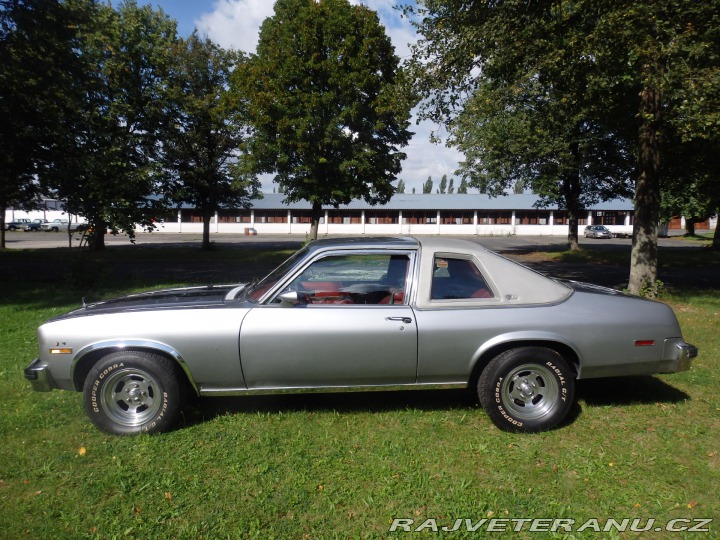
column 39, row 376
column 678, row 356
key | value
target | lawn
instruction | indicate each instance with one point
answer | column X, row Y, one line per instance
column 343, row 465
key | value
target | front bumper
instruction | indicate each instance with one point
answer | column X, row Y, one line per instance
column 39, row 376
column 678, row 356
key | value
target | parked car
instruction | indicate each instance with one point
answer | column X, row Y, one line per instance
column 58, row 225
column 621, row 231
column 597, row 231
column 16, row 224
column 359, row 314
column 35, row 225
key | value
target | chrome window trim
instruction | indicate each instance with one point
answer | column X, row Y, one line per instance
column 494, row 299
column 410, row 276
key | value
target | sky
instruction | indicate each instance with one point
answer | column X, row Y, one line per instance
column 235, row 24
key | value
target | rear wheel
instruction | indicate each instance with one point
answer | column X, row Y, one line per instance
column 130, row 392
column 527, row 389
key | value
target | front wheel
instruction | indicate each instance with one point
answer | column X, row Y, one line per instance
column 131, row 392
column 527, row 389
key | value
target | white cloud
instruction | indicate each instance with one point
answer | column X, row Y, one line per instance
column 425, row 158
column 235, row 24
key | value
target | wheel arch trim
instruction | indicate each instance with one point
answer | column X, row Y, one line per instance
column 95, row 351
column 491, row 348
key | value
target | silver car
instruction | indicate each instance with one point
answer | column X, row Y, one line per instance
column 58, row 225
column 359, row 314
column 597, row 231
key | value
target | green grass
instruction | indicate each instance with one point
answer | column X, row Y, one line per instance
column 677, row 256
column 343, row 466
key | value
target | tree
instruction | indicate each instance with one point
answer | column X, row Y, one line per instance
column 691, row 188
column 463, row 187
column 203, row 131
column 525, row 116
column 428, row 185
column 108, row 169
column 580, row 88
column 662, row 59
column 400, row 187
column 451, row 186
column 328, row 104
column 37, row 66
column 443, row 184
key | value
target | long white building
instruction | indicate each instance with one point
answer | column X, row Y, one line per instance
column 455, row 214
column 407, row 214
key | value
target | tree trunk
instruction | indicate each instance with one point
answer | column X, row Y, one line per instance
column 643, row 257
column 572, row 240
column 571, row 193
column 689, row 227
column 716, row 237
column 315, row 220
column 206, row 231
column 96, row 241
column 2, row 226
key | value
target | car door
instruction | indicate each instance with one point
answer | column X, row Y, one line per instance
column 350, row 325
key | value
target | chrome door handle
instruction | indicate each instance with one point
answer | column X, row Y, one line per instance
column 406, row 320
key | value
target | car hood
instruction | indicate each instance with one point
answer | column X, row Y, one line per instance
column 186, row 297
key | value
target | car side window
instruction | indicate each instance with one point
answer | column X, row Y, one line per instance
column 353, row 279
column 455, row 278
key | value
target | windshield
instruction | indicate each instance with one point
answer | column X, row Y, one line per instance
column 257, row 290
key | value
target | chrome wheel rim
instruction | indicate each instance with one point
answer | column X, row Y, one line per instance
column 530, row 391
column 131, row 397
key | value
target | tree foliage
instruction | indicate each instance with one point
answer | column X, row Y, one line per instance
column 428, row 185
column 442, row 188
column 108, row 169
column 463, row 187
column 328, row 104
column 38, row 64
column 572, row 97
column 526, row 117
column 663, row 61
column 203, row 132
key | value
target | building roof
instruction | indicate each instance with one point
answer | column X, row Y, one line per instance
column 470, row 201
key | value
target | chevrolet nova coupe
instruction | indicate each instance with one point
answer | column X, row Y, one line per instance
column 359, row 314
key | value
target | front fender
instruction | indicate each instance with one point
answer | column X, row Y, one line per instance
column 86, row 356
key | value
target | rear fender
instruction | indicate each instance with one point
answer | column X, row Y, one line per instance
column 491, row 348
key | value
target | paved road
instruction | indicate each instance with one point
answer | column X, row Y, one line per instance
column 42, row 240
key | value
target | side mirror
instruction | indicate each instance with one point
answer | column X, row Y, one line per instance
column 289, row 299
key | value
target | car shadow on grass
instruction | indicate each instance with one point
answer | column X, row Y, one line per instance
column 620, row 391
column 203, row 409
column 617, row 391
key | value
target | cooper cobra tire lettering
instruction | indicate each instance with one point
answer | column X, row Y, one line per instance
column 527, row 389
column 128, row 392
